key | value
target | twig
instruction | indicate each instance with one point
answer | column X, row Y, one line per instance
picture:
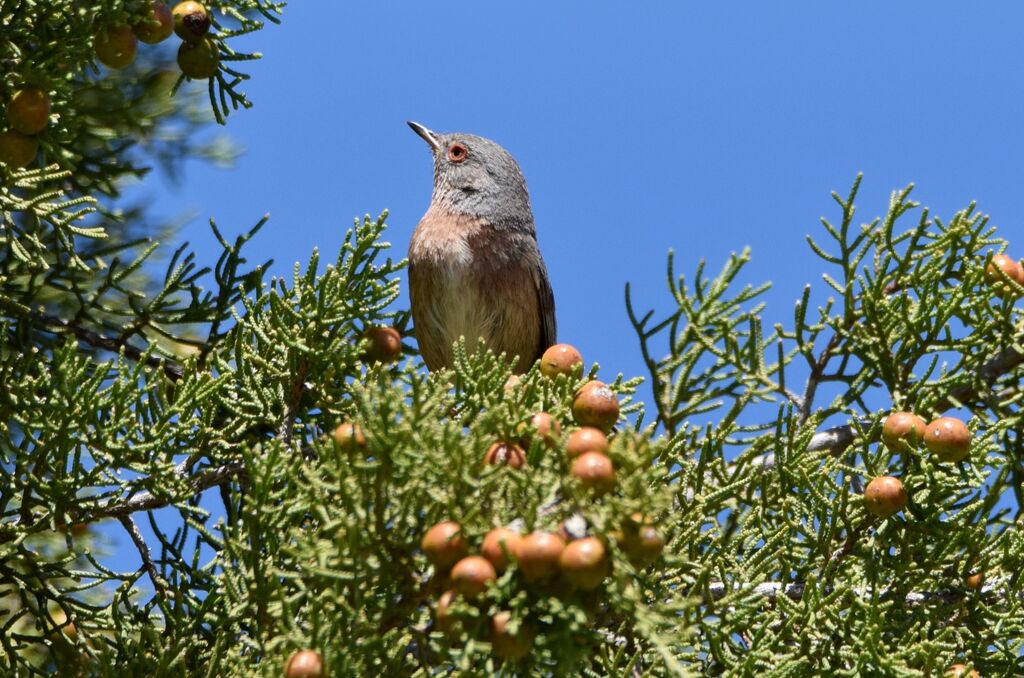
column 795, row 591
column 147, row 560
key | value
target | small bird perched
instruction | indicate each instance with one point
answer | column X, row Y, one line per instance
column 474, row 267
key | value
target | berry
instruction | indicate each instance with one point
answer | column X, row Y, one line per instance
column 505, row 454
column 385, row 344
column 584, row 563
column 1010, row 268
column 157, row 26
column 884, row 496
column 595, row 405
column 538, row 553
column 28, row 111
column 305, row 664
column 543, row 425
column 471, row 574
column 349, row 437
column 975, row 581
column 512, row 382
column 586, row 439
column 16, row 149
column 199, row 60
column 444, row 544
column 115, row 46
column 958, row 670
column 498, row 544
column 948, row 439
column 443, row 613
column 594, row 471
column 640, row 540
column 560, row 359
column 902, row 429
column 506, row 645
column 191, row 21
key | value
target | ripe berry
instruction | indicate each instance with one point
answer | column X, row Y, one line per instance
column 640, row 540
column 444, row 544
column 499, row 542
column 1012, row 269
column 560, row 359
column 28, row 111
column 902, row 429
column 542, row 425
column 443, row 613
column 385, row 344
column 505, row 454
column 305, row 664
column 349, row 437
column 191, row 21
column 584, row 563
column 538, row 553
column 975, row 581
column 16, row 149
column 512, row 382
column 199, row 60
column 115, row 46
column 959, row 671
column 506, row 645
column 586, row 439
column 884, row 496
column 157, row 26
column 595, row 405
column 948, row 439
column 594, row 471
column 471, row 574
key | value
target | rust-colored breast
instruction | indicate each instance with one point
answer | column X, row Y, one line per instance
column 467, row 278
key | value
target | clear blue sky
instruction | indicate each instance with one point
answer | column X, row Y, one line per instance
column 640, row 127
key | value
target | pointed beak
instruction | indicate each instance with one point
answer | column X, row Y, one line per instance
column 427, row 135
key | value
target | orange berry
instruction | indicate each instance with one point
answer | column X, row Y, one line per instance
column 586, row 439
column 471, row 575
column 506, row 645
column 584, row 563
column 1010, row 268
column 28, row 111
column 444, row 544
column 349, row 437
column 17, row 150
column 560, row 359
column 975, row 581
column 640, row 540
column 385, row 344
column 157, row 26
column 884, row 496
column 543, row 425
column 958, row 670
column 115, row 46
column 498, row 544
column 594, row 471
column 902, row 429
column 443, row 613
column 505, row 454
column 537, row 555
column 305, row 664
column 948, row 438
column 595, row 405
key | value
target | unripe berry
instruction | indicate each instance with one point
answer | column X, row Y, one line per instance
column 471, row 575
column 498, row 544
column 586, row 439
column 902, row 429
column 504, row 644
column 385, row 344
column 157, row 26
column 596, row 405
column 594, row 471
column 537, row 555
column 444, row 544
column 191, row 21
column 560, row 359
column 115, row 46
column 28, row 111
column 305, row 664
column 948, row 438
column 884, row 496
column 640, row 540
column 584, row 563
column 199, row 60
column 17, row 150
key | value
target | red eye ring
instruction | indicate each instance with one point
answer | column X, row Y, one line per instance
column 457, row 152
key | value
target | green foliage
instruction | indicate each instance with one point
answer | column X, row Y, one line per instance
column 199, row 403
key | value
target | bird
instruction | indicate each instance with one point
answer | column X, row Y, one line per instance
column 475, row 269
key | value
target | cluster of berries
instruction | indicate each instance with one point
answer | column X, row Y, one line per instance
column 198, row 55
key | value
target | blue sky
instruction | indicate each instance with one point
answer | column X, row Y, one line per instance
column 640, row 127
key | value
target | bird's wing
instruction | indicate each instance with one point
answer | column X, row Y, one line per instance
column 546, row 304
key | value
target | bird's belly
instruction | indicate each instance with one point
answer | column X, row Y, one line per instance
column 461, row 309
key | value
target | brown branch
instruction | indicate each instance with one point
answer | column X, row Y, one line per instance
column 147, row 560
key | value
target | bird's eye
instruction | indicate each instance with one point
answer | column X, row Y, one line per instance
column 457, row 153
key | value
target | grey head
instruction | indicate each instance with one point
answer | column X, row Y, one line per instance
column 477, row 177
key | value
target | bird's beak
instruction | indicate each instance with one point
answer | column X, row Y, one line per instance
column 427, row 135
